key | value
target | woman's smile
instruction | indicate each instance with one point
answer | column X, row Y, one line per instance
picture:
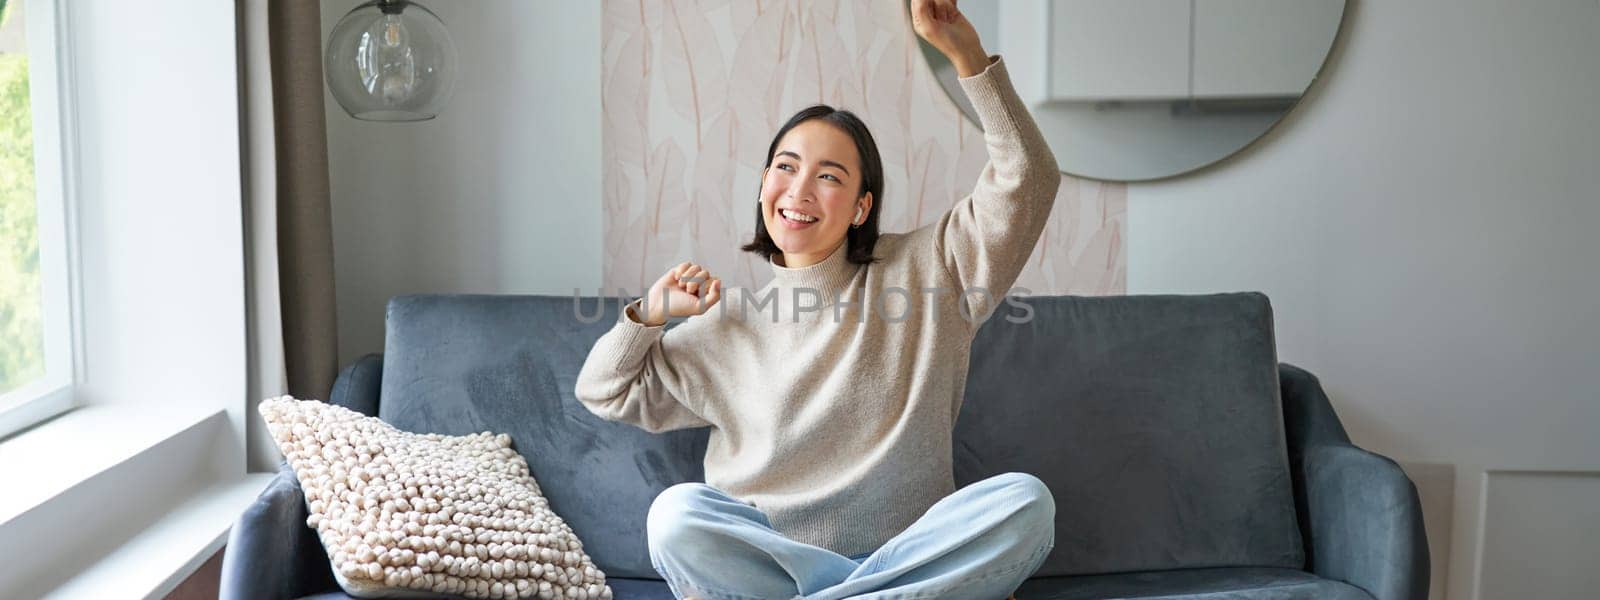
column 797, row 220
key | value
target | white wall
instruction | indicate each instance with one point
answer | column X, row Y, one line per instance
column 159, row 202
column 1418, row 221
column 499, row 194
column 1422, row 223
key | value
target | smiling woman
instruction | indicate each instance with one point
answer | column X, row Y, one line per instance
column 828, row 466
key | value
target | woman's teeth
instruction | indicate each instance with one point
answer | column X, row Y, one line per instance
column 794, row 216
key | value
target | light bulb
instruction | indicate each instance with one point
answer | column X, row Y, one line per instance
column 390, row 69
column 393, row 30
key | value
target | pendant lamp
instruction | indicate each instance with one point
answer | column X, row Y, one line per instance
column 390, row 60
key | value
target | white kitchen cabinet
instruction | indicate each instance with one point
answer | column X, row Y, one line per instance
column 1178, row 49
column 1255, row 48
column 1127, row 49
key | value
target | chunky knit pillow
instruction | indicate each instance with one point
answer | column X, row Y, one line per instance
column 425, row 515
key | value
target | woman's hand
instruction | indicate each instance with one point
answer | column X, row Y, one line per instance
column 684, row 291
column 942, row 25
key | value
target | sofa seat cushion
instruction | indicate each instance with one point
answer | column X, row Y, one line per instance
column 1209, row 584
column 624, row 589
column 641, row 589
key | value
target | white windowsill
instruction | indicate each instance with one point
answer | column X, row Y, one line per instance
column 118, row 501
column 159, row 558
column 52, row 457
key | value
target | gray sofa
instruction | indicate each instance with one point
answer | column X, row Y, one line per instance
column 1185, row 460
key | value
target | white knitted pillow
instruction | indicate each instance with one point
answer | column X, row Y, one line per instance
column 425, row 515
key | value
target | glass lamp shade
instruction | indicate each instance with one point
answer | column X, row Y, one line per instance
column 390, row 60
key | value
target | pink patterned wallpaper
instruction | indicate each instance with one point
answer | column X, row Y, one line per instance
column 694, row 91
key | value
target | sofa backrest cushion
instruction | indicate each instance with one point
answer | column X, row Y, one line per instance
column 461, row 364
column 1155, row 421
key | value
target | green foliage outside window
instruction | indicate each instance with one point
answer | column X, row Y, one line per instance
column 21, row 325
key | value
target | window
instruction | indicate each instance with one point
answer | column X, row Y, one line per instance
column 37, row 349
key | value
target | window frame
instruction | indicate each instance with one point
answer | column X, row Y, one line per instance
column 55, row 156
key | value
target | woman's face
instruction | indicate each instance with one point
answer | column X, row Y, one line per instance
column 815, row 172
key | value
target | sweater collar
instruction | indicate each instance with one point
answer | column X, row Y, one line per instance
column 827, row 277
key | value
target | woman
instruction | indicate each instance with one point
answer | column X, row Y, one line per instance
column 833, row 391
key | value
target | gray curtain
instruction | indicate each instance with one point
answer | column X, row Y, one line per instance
column 293, row 348
column 305, row 222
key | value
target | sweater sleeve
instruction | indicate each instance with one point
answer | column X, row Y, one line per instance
column 986, row 238
column 630, row 376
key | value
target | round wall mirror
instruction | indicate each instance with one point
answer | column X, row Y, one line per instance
column 1136, row 90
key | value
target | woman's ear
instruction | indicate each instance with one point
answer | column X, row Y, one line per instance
column 866, row 206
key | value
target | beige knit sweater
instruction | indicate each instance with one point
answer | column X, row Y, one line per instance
column 832, row 392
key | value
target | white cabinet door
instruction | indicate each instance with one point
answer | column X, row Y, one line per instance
column 1252, row 48
column 1119, row 49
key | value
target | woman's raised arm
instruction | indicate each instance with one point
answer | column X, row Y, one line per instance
column 987, row 237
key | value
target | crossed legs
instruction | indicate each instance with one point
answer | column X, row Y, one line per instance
column 980, row 542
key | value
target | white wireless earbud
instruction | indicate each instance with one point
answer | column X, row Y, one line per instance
column 858, row 216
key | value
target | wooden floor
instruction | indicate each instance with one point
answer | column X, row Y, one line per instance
column 204, row 583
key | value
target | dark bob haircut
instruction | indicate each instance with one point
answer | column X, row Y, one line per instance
column 859, row 241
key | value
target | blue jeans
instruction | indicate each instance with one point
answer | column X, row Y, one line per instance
column 980, row 542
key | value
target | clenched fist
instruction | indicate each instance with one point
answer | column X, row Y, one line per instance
column 944, row 27
column 684, row 291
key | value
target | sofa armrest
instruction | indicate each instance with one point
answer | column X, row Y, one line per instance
column 1365, row 522
column 1308, row 417
column 358, row 385
column 271, row 553
column 1359, row 514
